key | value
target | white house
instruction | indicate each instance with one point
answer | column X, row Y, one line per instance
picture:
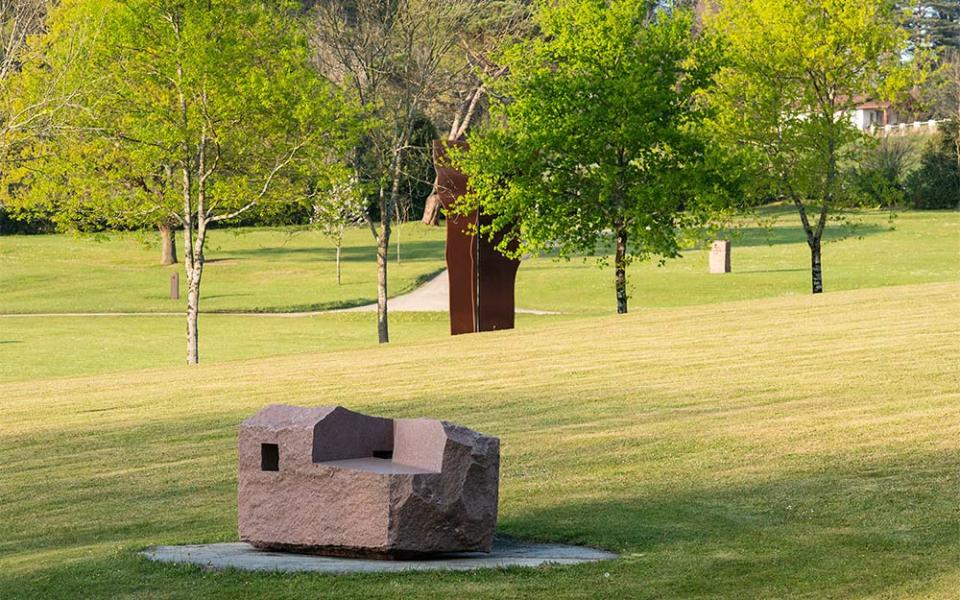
column 883, row 119
column 869, row 114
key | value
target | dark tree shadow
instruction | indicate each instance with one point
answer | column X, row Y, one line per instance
column 414, row 250
column 811, row 534
column 746, row 237
column 237, row 295
column 775, row 236
column 854, row 527
column 774, row 271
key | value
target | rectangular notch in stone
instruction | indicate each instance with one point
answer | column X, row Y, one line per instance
column 269, row 457
column 387, row 454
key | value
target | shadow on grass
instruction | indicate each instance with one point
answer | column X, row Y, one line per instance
column 812, row 533
column 414, row 250
column 237, row 295
column 773, row 271
column 747, row 237
column 327, row 306
column 786, row 233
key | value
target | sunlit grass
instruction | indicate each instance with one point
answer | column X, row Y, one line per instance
column 246, row 269
column 787, row 447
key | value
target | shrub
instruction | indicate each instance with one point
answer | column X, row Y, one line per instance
column 879, row 172
column 936, row 183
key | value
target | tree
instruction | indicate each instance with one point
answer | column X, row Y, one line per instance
column 23, row 117
column 945, row 84
column 878, row 170
column 595, row 133
column 933, row 23
column 491, row 25
column 389, row 56
column 19, row 20
column 936, row 183
column 192, row 111
column 89, row 183
column 794, row 72
column 335, row 210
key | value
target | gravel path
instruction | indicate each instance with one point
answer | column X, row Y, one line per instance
column 433, row 296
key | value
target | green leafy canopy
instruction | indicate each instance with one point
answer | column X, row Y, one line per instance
column 596, row 129
column 162, row 85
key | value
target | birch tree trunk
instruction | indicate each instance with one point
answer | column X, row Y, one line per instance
column 168, row 245
column 383, row 333
column 193, row 315
column 431, row 210
column 194, row 275
column 816, row 269
column 190, row 263
column 620, row 269
column 339, row 246
column 814, row 235
column 387, row 205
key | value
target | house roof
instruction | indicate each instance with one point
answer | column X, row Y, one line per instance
column 874, row 105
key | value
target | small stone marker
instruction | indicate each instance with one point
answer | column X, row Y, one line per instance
column 720, row 257
column 175, row 285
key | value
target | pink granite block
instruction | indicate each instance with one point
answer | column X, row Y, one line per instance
column 332, row 481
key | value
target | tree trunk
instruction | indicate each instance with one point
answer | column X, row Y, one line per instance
column 814, row 235
column 193, row 314
column 620, row 267
column 193, row 261
column 431, row 211
column 339, row 245
column 815, row 266
column 388, row 203
column 956, row 144
column 168, row 245
column 382, row 243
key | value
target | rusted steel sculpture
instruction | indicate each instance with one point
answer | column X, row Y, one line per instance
column 481, row 278
column 332, row 481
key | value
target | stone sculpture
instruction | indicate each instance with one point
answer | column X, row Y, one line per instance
column 332, row 481
column 481, row 278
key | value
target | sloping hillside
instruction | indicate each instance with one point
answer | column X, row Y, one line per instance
column 800, row 446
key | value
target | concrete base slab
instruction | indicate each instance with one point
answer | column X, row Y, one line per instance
column 506, row 552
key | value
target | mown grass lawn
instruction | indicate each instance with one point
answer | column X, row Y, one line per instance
column 800, row 447
column 769, row 260
column 273, row 270
column 247, row 270
column 732, row 437
column 43, row 347
column 65, row 274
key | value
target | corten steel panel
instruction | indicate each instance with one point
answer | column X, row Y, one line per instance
column 461, row 247
column 481, row 278
column 497, row 276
